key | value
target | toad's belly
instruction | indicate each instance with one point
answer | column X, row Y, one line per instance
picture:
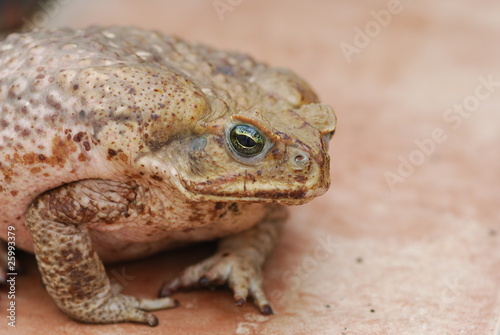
column 132, row 242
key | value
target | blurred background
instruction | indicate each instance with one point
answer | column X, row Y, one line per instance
column 410, row 227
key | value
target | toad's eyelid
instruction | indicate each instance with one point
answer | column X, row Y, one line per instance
column 264, row 128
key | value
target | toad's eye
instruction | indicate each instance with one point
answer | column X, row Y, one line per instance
column 246, row 140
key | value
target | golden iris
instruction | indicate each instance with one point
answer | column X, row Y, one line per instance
column 246, row 140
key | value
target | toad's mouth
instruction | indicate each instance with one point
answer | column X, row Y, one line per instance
column 247, row 190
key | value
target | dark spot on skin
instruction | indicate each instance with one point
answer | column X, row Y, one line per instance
column 300, row 178
column 60, row 151
column 86, row 145
column 372, row 311
column 226, row 254
column 259, row 173
column 41, row 157
column 132, row 90
column 249, row 176
column 234, row 208
column 123, row 157
column 154, row 116
column 231, row 208
column 112, row 152
column 82, row 157
column 14, row 193
column 210, row 182
column 75, row 87
column 56, row 105
column 78, row 137
column 220, row 141
column 88, row 279
column 359, row 260
column 29, row 158
column 71, row 255
column 158, row 178
column 82, row 113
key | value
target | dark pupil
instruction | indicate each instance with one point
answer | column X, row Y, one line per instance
column 246, row 141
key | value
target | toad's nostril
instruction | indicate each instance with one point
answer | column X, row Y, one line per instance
column 301, row 161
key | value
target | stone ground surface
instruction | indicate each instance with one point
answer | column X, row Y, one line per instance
column 407, row 239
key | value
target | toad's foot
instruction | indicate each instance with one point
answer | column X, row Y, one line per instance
column 71, row 269
column 238, row 270
column 237, row 263
column 124, row 308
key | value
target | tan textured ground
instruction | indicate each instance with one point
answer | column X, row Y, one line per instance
column 414, row 251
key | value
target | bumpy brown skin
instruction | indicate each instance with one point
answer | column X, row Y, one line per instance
column 114, row 145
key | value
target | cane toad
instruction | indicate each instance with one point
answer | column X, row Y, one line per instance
column 117, row 143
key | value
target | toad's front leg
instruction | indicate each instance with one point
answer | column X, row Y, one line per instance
column 71, row 269
column 238, row 262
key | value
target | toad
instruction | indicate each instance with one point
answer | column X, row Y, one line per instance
column 117, row 143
